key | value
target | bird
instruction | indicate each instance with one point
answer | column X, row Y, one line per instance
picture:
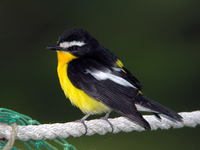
column 96, row 81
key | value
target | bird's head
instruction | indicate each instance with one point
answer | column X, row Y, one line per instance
column 77, row 42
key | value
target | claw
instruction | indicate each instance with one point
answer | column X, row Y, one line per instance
column 106, row 119
column 82, row 120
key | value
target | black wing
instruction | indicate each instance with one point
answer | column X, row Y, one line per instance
column 105, row 84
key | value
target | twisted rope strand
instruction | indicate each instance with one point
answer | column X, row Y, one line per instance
column 76, row 129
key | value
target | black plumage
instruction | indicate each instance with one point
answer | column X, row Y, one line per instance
column 118, row 97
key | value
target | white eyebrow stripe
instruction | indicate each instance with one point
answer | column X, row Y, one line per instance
column 73, row 43
column 100, row 75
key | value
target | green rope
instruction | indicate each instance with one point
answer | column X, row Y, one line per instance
column 9, row 117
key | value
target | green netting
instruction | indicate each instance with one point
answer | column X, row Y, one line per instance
column 9, row 117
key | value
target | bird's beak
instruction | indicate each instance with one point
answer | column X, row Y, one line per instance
column 54, row 47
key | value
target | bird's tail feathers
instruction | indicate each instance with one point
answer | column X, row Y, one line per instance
column 144, row 104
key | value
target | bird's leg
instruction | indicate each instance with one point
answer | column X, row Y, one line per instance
column 106, row 119
column 82, row 120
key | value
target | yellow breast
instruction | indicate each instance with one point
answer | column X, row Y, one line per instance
column 76, row 96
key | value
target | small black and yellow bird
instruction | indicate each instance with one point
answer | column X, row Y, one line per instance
column 95, row 80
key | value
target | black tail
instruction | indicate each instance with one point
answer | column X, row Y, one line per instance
column 145, row 104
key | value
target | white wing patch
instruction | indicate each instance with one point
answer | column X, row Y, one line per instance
column 100, row 75
column 73, row 43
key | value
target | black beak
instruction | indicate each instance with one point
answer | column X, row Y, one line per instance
column 54, row 47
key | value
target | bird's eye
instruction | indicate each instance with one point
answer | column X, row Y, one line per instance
column 73, row 48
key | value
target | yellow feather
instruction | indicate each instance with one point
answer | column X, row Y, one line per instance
column 120, row 64
column 77, row 97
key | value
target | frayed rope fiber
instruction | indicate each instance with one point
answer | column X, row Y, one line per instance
column 99, row 126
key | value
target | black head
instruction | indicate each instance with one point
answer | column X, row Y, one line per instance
column 76, row 41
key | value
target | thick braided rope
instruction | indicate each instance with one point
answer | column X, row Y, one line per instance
column 76, row 129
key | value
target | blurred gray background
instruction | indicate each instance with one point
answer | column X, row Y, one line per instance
column 158, row 41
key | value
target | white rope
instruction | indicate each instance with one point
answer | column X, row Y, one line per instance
column 76, row 129
column 13, row 135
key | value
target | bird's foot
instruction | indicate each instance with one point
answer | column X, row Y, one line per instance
column 106, row 119
column 82, row 120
